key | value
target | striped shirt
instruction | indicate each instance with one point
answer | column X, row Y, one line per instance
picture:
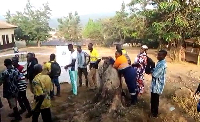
column 158, row 77
column 22, row 85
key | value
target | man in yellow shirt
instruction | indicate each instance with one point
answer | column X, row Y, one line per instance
column 42, row 86
column 94, row 61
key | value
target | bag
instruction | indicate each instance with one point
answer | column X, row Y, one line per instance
column 55, row 69
column 150, row 65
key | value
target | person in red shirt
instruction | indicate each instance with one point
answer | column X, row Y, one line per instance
column 22, row 85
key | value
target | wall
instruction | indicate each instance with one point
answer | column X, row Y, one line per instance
column 8, row 37
column 20, row 44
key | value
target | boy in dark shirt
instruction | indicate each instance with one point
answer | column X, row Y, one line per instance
column 9, row 78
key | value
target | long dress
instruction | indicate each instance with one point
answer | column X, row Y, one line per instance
column 141, row 59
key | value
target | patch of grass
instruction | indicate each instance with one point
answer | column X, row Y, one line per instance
column 189, row 106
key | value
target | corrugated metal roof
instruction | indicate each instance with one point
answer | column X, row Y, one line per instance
column 59, row 43
column 5, row 25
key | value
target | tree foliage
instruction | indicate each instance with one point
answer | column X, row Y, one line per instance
column 33, row 24
column 93, row 30
column 69, row 27
column 169, row 22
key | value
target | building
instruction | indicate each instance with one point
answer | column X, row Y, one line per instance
column 7, row 38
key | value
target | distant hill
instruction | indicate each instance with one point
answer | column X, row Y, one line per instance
column 84, row 18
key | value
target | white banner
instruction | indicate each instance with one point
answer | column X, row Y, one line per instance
column 63, row 57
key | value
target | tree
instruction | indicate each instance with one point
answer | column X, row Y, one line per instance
column 33, row 23
column 170, row 22
column 69, row 27
column 93, row 30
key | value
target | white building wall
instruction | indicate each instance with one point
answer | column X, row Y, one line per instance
column 5, row 32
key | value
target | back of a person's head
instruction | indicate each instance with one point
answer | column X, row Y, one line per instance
column 52, row 56
column 15, row 59
column 164, row 52
column 38, row 68
column 7, row 62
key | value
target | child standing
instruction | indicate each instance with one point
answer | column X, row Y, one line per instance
column 158, row 81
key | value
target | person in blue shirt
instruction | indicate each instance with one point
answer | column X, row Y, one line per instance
column 158, row 81
column 82, row 65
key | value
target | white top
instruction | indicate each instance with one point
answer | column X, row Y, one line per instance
column 74, row 56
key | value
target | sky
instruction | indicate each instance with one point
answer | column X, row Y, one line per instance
column 63, row 7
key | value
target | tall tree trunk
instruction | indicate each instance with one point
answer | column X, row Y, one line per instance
column 175, row 51
column 38, row 43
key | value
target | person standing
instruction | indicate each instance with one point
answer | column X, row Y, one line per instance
column 53, row 70
column 82, row 65
column 42, row 86
column 10, row 78
column 158, row 81
column 118, row 48
column 73, row 69
column 129, row 73
column 94, row 60
column 140, row 64
column 22, row 85
column 30, row 67
column 15, row 49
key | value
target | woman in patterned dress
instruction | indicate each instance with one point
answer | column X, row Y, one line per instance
column 140, row 65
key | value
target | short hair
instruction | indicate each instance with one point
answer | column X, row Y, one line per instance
column 37, row 67
column 164, row 52
column 79, row 46
column 31, row 54
column 7, row 62
column 15, row 59
column 52, row 56
column 119, row 51
column 91, row 44
column 70, row 45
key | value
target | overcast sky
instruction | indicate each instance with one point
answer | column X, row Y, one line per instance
column 63, row 7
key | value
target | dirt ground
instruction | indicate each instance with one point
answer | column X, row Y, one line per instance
column 67, row 107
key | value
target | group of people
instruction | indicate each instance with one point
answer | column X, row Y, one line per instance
column 43, row 78
column 14, row 80
column 134, row 74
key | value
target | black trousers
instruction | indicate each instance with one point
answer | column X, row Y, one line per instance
column 80, row 72
column 23, row 101
column 46, row 115
column 154, row 103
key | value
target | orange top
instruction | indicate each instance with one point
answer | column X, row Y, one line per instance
column 121, row 63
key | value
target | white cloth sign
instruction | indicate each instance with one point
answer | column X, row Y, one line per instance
column 63, row 57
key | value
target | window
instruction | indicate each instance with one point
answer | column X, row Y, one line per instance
column 13, row 38
column 7, row 39
column 3, row 38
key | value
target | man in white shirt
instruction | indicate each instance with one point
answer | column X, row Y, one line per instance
column 73, row 69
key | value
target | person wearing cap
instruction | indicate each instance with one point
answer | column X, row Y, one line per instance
column 140, row 64
column 119, row 47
